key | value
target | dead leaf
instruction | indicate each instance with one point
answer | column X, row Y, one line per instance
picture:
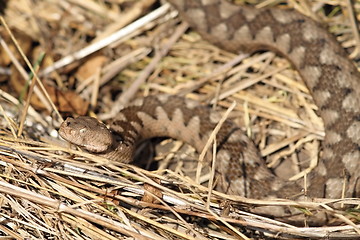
column 90, row 67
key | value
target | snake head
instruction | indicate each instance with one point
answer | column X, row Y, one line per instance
column 88, row 133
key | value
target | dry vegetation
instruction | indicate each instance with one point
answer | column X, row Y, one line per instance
column 49, row 191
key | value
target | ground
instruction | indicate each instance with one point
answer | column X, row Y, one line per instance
column 51, row 191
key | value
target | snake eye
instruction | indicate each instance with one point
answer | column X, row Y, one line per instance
column 82, row 130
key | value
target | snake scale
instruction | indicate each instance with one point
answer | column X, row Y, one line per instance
column 331, row 77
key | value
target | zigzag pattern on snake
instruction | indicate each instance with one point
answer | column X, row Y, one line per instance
column 331, row 77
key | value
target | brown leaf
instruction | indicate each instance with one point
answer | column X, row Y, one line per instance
column 149, row 193
column 67, row 101
column 64, row 100
column 90, row 67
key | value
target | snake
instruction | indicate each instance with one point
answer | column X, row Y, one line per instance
column 325, row 67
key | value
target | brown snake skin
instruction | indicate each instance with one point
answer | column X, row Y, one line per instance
column 331, row 77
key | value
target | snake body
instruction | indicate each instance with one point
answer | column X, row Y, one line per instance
column 331, row 77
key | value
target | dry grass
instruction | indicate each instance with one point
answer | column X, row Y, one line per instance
column 48, row 191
